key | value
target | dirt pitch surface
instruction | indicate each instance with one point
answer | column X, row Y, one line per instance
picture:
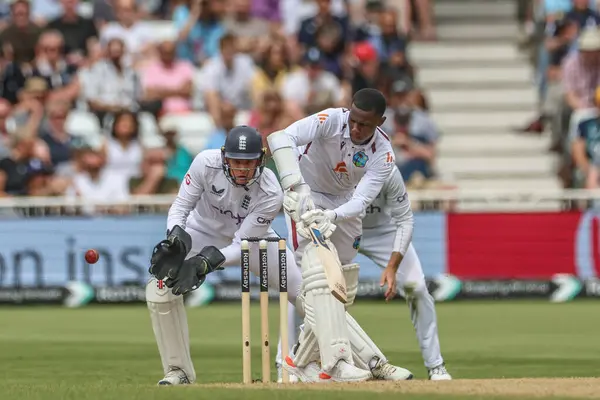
column 588, row 388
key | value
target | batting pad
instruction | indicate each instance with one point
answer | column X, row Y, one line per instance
column 364, row 351
column 323, row 313
column 307, row 348
column 169, row 322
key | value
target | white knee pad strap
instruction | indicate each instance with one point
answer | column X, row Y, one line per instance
column 169, row 322
column 350, row 272
column 365, row 352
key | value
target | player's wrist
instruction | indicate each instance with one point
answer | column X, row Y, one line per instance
column 301, row 188
column 330, row 215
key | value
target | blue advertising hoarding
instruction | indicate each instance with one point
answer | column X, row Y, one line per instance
column 50, row 251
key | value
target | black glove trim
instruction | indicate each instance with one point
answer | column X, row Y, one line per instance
column 184, row 238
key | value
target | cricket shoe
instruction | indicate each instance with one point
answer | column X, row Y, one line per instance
column 345, row 372
column 384, row 371
column 439, row 373
column 175, row 376
column 292, row 378
column 307, row 374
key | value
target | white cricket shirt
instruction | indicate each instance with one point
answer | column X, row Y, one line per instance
column 332, row 165
column 391, row 206
column 209, row 203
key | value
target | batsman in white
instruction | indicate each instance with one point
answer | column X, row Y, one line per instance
column 226, row 195
column 332, row 165
column 388, row 224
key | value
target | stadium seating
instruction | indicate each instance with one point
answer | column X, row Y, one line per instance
column 480, row 87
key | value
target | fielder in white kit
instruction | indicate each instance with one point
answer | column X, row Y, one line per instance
column 332, row 165
column 226, row 195
column 386, row 240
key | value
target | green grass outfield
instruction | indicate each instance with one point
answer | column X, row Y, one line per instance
column 109, row 353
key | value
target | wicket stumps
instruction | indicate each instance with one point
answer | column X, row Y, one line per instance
column 264, row 306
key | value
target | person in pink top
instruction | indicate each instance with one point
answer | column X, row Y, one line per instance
column 168, row 80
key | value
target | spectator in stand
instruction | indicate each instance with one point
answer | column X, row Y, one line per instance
column 111, row 86
column 19, row 39
column 128, row 28
column 39, row 180
column 53, row 132
column 43, row 11
column 79, row 33
column 124, row 152
column 390, row 44
column 5, row 127
column 581, row 78
column 559, row 41
column 200, row 29
column 584, row 14
column 311, row 89
column 586, row 148
column 16, row 167
column 4, row 15
column 270, row 115
column 227, row 77
column 563, row 25
column 103, row 12
column 414, row 135
column 49, row 64
column 249, row 30
column 273, row 68
column 368, row 27
column 227, row 114
column 153, row 180
column 365, row 67
column 168, row 81
column 268, row 12
column 94, row 183
column 178, row 158
column 329, row 33
column 29, row 109
column 419, row 11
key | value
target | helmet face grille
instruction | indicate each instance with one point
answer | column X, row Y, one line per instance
column 228, row 169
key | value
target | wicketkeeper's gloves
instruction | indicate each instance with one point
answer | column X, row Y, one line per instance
column 168, row 255
column 192, row 273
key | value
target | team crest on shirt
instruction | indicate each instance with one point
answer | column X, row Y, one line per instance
column 356, row 244
column 360, row 159
column 246, row 202
column 341, row 170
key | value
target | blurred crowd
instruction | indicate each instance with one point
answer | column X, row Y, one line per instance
column 564, row 39
column 271, row 61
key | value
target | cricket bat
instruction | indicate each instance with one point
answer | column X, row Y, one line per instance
column 331, row 265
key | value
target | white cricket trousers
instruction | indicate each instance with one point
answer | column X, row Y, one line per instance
column 377, row 245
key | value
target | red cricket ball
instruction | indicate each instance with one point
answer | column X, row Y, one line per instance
column 92, row 256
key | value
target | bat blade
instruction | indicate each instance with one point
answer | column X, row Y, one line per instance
column 331, row 265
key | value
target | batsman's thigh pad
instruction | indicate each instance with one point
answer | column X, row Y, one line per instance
column 351, row 276
column 364, row 351
column 324, row 313
column 169, row 322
